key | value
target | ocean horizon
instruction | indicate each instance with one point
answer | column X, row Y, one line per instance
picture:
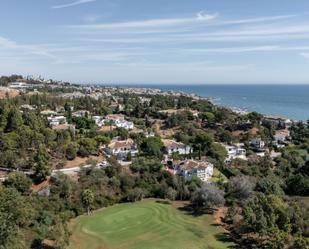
column 291, row 101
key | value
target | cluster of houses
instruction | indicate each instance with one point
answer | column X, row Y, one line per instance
column 187, row 168
column 120, row 148
column 258, row 145
column 117, row 120
column 106, row 123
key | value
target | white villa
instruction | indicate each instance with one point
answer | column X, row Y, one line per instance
column 121, row 148
column 171, row 146
column 278, row 121
column 280, row 138
column 19, row 85
column 56, row 120
column 124, row 124
column 116, row 119
column 192, row 168
column 257, row 143
column 235, row 151
column 80, row 113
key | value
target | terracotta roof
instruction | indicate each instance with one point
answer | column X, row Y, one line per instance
column 121, row 144
column 172, row 143
column 107, row 128
column 284, row 132
column 63, row 127
column 193, row 164
column 115, row 116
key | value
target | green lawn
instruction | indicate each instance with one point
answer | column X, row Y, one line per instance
column 146, row 225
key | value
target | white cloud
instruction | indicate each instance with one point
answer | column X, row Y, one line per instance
column 200, row 17
column 306, row 55
column 22, row 49
column 257, row 20
column 267, row 48
column 91, row 18
column 79, row 2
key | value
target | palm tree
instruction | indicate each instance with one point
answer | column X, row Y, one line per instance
column 87, row 199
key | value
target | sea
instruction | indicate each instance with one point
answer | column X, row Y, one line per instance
column 290, row 101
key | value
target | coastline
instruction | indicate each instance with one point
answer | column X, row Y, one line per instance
column 216, row 101
column 286, row 101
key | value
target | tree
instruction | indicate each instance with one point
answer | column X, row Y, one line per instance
column 241, row 187
column 270, row 185
column 143, row 164
column 171, row 194
column 255, row 117
column 152, row 146
column 101, row 139
column 298, row 185
column 19, row 181
column 15, row 213
column 224, row 135
column 14, row 120
column 266, row 214
column 217, row 151
column 88, row 146
column 68, row 110
column 207, row 116
column 202, row 142
column 71, row 151
column 42, row 169
column 135, row 194
column 208, row 196
column 87, row 199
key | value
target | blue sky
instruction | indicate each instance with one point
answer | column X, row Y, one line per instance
column 161, row 41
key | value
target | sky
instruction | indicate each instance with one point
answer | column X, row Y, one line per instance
column 157, row 41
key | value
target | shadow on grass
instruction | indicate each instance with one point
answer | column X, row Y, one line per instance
column 189, row 209
column 164, row 202
column 226, row 238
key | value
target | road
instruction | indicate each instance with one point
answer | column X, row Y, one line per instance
column 67, row 171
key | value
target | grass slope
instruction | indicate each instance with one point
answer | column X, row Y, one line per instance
column 146, row 225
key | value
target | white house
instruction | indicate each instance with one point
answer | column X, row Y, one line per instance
column 257, row 143
column 119, row 121
column 56, row 120
column 124, row 124
column 171, row 146
column 278, row 121
column 19, row 85
column 235, row 151
column 121, row 148
column 80, row 113
column 192, row 168
column 149, row 134
column 280, row 138
column 99, row 120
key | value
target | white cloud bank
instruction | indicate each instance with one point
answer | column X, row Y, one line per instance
column 79, row 2
column 200, row 17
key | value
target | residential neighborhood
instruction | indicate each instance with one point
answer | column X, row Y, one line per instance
column 123, row 144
